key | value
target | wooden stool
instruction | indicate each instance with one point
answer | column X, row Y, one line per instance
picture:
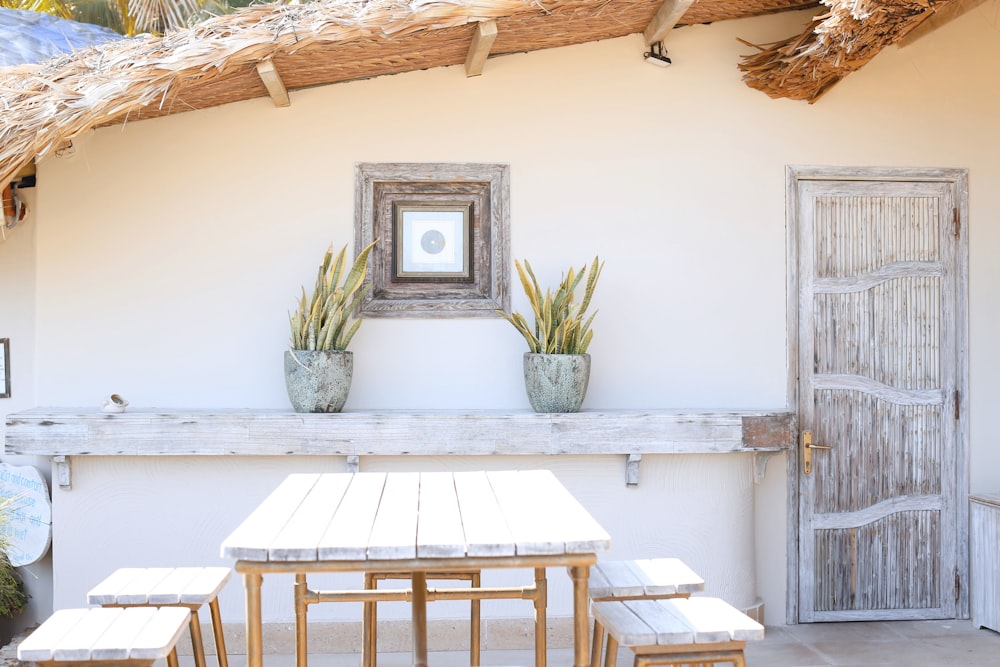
column 371, row 613
column 136, row 637
column 188, row 587
column 645, row 579
column 679, row 631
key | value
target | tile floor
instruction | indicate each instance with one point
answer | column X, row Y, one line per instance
column 873, row 644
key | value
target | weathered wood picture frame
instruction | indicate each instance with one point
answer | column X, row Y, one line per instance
column 5, row 367
column 443, row 232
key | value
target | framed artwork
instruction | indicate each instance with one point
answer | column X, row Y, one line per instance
column 5, row 367
column 432, row 242
column 443, row 236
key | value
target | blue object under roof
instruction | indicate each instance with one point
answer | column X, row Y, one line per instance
column 32, row 37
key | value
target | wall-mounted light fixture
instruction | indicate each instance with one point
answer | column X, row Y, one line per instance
column 14, row 208
column 657, row 55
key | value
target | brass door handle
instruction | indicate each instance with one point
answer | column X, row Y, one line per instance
column 807, row 447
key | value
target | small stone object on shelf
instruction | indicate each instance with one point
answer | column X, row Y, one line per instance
column 114, row 403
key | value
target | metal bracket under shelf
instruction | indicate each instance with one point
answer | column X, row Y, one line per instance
column 63, row 472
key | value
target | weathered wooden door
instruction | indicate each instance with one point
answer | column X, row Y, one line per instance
column 880, row 278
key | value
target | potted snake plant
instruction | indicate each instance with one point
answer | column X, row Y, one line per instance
column 319, row 367
column 557, row 365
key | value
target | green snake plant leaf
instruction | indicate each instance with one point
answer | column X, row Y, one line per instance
column 559, row 324
column 530, row 288
column 357, row 273
column 588, row 291
column 349, row 334
column 323, row 319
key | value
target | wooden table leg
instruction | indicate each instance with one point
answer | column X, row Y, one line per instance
column 541, row 602
column 419, row 614
column 255, row 650
column 474, row 622
column 581, row 580
column 369, row 643
column 301, row 621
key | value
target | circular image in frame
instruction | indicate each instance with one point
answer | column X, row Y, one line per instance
column 432, row 242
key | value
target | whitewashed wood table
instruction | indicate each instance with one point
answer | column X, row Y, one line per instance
column 417, row 523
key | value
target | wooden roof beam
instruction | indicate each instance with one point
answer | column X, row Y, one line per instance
column 272, row 81
column 666, row 17
column 479, row 50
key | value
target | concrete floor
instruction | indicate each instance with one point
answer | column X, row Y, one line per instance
column 882, row 644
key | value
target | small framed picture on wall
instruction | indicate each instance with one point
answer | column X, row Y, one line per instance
column 432, row 242
column 4, row 367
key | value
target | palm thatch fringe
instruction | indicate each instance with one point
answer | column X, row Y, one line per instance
column 805, row 66
column 44, row 106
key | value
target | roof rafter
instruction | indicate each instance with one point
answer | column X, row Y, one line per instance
column 272, row 81
column 479, row 49
column 666, row 17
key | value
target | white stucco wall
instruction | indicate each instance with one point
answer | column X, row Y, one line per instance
column 17, row 322
column 162, row 259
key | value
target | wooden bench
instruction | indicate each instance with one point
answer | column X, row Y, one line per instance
column 679, row 631
column 643, row 579
column 136, row 637
column 188, row 587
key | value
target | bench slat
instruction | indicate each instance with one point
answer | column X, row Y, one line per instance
column 665, row 622
column 668, row 627
column 160, row 635
column 713, row 611
column 622, row 580
column 136, row 591
column 666, row 576
column 168, row 590
column 206, row 585
column 106, row 592
column 39, row 644
column 705, row 631
column 623, row 624
column 76, row 644
column 115, row 642
column 649, row 577
column 600, row 587
column 103, row 634
column 160, row 586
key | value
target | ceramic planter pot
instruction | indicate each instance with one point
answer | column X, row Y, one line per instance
column 556, row 382
column 318, row 380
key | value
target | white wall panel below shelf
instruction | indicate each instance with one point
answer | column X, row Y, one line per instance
column 984, row 548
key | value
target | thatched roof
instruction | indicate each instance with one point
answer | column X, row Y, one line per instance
column 270, row 49
column 835, row 44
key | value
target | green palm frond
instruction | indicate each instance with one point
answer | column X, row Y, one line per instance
column 132, row 17
column 559, row 325
column 13, row 597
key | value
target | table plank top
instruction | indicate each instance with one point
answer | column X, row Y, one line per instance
column 407, row 515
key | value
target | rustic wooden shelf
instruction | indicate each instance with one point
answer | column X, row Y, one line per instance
column 163, row 432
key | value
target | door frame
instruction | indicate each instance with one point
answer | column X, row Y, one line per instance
column 958, row 178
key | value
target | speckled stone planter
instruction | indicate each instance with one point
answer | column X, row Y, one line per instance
column 556, row 382
column 318, row 380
